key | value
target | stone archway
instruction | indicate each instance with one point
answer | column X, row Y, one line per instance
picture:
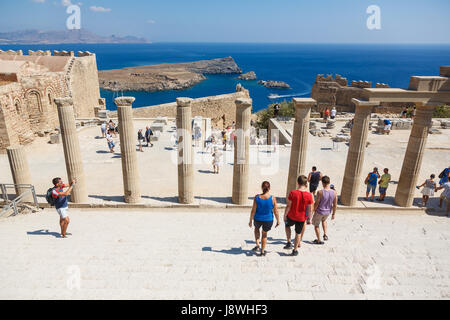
column 34, row 107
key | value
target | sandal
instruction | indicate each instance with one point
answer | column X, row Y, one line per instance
column 262, row 254
column 317, row 242
column 325, row 237
column 255, row 248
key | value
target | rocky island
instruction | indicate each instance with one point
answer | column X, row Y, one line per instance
column 166, row 76
column 274, row 84
column 247, row 76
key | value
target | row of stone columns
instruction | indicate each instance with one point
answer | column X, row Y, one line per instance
column 352, row 176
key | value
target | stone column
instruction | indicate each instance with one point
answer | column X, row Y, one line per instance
column 185, row 151
column 299, row 147
column 241, row 151
column 128, row 139
column 356, row 151
column 19, row 169
column 72, row 151
column 412, row 162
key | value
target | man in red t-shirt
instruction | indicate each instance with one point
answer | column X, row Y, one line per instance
column 298, row 210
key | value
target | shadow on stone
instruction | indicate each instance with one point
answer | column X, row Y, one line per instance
column 108, row 198
column 44, row 233
column 206, row 171
column 163, row 199
column 232, row 251
column 216, row 199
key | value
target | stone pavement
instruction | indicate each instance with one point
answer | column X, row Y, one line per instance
column 205, row 254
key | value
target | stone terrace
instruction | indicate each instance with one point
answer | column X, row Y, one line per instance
column 175, row 254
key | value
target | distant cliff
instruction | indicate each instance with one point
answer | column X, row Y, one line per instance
column 63, row 36
column 166, row 76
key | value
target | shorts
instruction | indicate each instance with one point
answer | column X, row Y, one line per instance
column 103, row 130
column 372, row 188
column 298, row 225
column 63, row 212
column 266, row 225
column 111, row 145
column 318, row 218
column 388, row 127
column 383, row 190
column 313, row 188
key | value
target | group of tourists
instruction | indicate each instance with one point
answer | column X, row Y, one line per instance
column 108, row 130
column 329, row 114
column 145, row 137
column 405, row 111
column 373, row 179
column 301, row 210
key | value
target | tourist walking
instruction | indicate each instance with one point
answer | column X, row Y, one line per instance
column 263, row 210
column 197, row 135
column 140, row 140
column 429, row 187
column 404, row 112
column 325, row 205
column 444, row 178
column 60, row 201
column 387, row 126
column 333, row 113
column 103, row 128
column 384, row 184
column 217, row 158
column 314, row 178
column 445, row 196
column 112, row 127
column 148, row 136
column 110, row 141
column 413, row 113
column 298, row 210
column 371, row 182
column 326, row 114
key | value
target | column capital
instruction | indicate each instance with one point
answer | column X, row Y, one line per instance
column 364, row 103
column 243, row 102
column 184, row 102
column 124, row 101
column 426, row 105
column 304, row 102
column 63, row 102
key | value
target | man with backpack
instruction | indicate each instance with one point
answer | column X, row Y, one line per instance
column 58, row 198
column 314, row 179
column 148, row 136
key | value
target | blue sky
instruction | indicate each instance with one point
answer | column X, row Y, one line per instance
column 326, row 21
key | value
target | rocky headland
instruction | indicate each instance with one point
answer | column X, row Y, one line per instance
column 274, row 84
column 166, row 76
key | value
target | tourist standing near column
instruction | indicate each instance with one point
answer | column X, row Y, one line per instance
column 429, row 186
column 325, row 205
column 241, row 151
column 384, row 184
column 264, row 207
column 185, row 151
column 371, row 182
column 299, row 209
column 445, row 196
column 127, row 134
column 217, row 159
column 72, row 150
column 61, row 203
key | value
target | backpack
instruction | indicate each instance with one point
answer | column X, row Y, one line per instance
column 49, row 197
column 442, row 174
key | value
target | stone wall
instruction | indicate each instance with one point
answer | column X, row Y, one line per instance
column 331, row 91
column 221, row 109
column 30, row 83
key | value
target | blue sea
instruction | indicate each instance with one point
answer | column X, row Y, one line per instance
column 296, row 64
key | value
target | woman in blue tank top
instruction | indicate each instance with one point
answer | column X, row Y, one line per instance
column 264, row 207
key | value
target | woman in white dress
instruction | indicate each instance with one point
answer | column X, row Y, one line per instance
column 429, row 186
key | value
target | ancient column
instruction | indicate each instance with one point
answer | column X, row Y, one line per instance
column 19, row 169
column 130, row 172
column 299, row 146
column 241, row 151
column 412, row 162
column 355, row 156
column 185, row 151
column 72, row 152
